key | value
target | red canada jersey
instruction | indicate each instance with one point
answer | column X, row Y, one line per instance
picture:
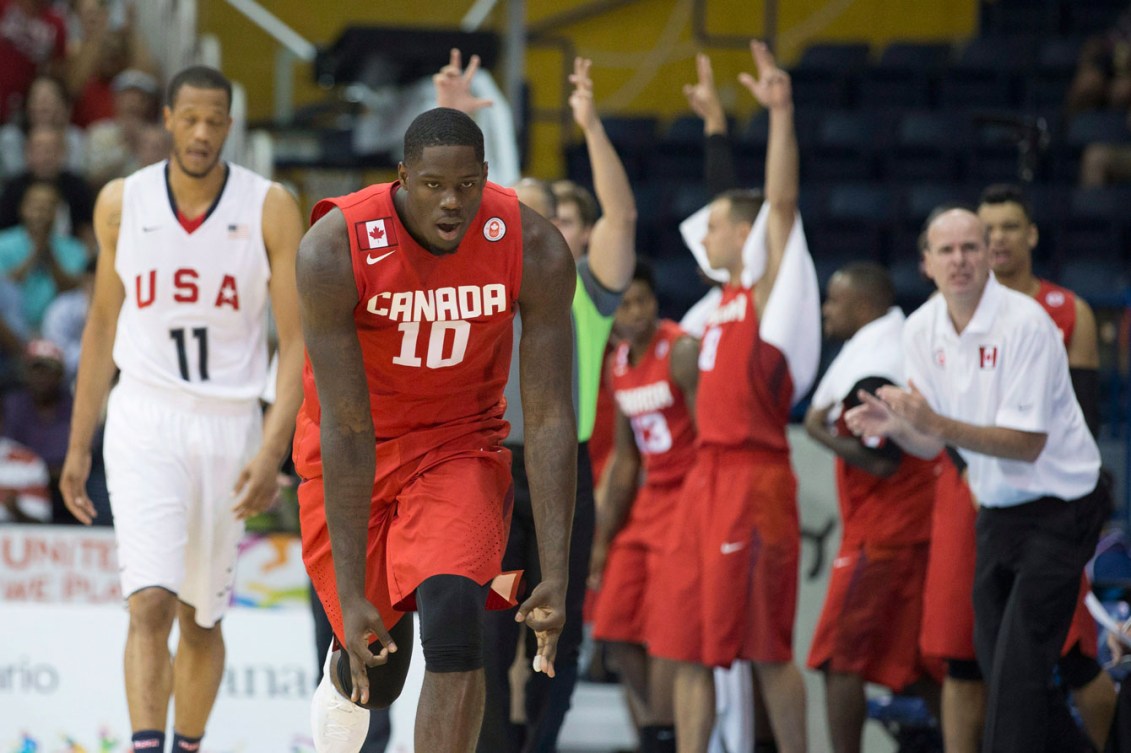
column 892, row 511
column 745, row 387
column 435, row 329
column 654, row 405
column 1060, row 302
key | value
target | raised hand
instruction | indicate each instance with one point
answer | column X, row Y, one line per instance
column 703, row 96
column 544, row 613
column 581, row 98
column 771, row 88
column 453, row 85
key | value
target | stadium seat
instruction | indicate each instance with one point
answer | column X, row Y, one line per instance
column 926, row 146
column 1103, row 127
column 1014, row 53
column 845, row 147
column 827, row 74
column 835, row 57
column 975, row 88
column 916, row 57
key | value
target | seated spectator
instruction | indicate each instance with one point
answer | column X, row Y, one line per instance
column 41, row 262
column 116, row 143
column 105, row 51
column 1104, row 164
column 24, row 496
column 33, row 40
column 38, row 414
column 1103, row 73
column 45, row 153
column 65, row 319
column 47, row 105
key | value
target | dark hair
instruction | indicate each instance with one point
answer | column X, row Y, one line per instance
column 873, row 281
column 643, row 273
column 198, row 77
column 745, row 203
column 1007, row 193
column 441, row 126
column 568, row 192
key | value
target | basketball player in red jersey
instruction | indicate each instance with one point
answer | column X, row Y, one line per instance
column 653, row 378
column 948, row 622
column 408, row 291
column 191, row 251
column 732, row 576
column 869, row 626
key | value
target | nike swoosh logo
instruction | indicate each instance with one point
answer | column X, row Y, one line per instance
column 730, row 547
column 150, row 229
column 370, row 260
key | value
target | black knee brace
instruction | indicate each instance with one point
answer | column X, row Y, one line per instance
column 451, row 623
column 964, row 669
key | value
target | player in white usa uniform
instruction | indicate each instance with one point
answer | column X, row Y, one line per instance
column 191, row 250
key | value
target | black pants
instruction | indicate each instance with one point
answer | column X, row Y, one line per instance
column 547, row 700
column 1027, row 577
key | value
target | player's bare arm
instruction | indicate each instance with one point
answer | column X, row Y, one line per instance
column 327, row 296
column 545, row 357
column 1083, row 349
column 282, row 230
column 684, row 367
column 848, row 448
column 612, row 243
column 96, row 364
column 622, row 475
column 773, row 91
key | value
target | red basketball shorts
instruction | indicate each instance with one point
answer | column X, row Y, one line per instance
column 629, row 585
column 730, row 566
column 870, row 622
column 948, row 606
column 447, row 513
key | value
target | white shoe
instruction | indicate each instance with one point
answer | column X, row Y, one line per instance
column 337, row 723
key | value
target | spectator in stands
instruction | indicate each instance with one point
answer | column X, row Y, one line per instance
column 1103, row 72
column 42, row 262
column 23, row 482
column 47, row 105
column 65, row 318
column 45, row 153
column 117, row 143
column 1102, row 164
column 13, row 331
column 104, row 52
column 33, row 40
column 38, row 414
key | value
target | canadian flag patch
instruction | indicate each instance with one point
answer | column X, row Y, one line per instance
column 987, row 356
column 373, row 234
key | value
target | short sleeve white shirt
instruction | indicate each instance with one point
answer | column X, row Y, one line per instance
column 1007, row 368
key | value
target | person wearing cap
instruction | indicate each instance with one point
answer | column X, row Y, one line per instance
column 116, row 143
column 38, row 413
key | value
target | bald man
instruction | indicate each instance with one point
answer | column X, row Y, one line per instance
column 988, row 374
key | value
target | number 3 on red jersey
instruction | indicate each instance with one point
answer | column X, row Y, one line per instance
column 438, row 344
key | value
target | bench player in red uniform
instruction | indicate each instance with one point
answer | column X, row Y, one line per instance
column 654, row 374
column 408, row 291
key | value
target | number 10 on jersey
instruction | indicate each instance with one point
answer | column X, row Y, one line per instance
column 443, row 351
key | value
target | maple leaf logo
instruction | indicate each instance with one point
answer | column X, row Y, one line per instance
column 377, row 234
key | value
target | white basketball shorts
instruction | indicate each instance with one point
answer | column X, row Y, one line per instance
column 172, row 461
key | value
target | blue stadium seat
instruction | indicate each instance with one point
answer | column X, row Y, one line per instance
column 890, row 88
column 976, row 88
column 845, row 147
column 1014, row 54
column 926, row 147
column 1104, row 127
column 1059, row 54
column 835, row 57
column 920, row 199
column 827, row 74
column 916, row 57
column 1102, row 283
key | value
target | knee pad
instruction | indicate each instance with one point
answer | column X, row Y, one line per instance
column 1077, row 669
column 964, row 669
column 451, row 623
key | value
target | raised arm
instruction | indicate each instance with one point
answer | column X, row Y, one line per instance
column 703, row 98
column 282, row 231
column 772, row 89
column 545, row 358
column 612, row 244
column 453, row 85
column 327, row 296
column 96, row 364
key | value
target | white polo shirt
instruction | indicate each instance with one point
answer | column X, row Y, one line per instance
column 1008, row 368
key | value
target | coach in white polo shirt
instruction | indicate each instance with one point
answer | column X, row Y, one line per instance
column 988, row 374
